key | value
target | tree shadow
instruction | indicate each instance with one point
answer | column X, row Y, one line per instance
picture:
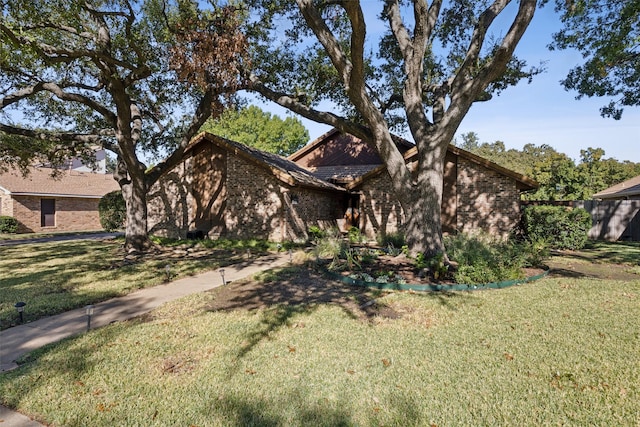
column 283, row 294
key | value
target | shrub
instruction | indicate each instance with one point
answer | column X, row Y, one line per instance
column 112, row 210
column 316, row 233
column 8, row 224
column 559, row 226
column 396, row 240
column 355, row 235
column 482, row 259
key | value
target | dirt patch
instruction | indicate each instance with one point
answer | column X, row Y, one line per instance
column 299, row 286
column 394, row 268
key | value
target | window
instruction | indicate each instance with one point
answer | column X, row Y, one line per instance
column 47, row 212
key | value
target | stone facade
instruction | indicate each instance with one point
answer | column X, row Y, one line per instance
column 71, row 214
column 218, row 193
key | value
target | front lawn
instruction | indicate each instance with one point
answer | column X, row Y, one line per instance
column 292, row 348
column 58, row 276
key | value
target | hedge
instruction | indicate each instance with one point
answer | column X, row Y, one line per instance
column 559, row 226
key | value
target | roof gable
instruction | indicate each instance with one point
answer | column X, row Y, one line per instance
column 336, row 148
column 349, row 166
column 283, row 169
column 628, row 188
column 39, row 182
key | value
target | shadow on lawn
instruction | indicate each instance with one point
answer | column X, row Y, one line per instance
column 286, row 293
column 297, row 407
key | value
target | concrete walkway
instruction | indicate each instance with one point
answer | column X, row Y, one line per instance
column 19, row 340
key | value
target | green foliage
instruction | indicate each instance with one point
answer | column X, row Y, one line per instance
column 482, row 259
column 606, row 33
column 8, row 224
column 355, row 236
column 316, row 233
column 256, row 128
column 396, row 239
column 435, row 264
column 331, row 247
column 560, row 227
column 112, row 211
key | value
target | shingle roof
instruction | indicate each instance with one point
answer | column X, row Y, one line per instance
column 342, row 174
column 284, row 169
column 67, row 184
column 628, row 188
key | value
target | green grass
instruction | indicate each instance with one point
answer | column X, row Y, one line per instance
column 608, row 252
column 58, row 276
column 560, row 351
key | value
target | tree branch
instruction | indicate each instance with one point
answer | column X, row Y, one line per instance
column 291, row 103
column 326, row 38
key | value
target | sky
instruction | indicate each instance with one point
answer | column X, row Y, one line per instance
column 542, row 112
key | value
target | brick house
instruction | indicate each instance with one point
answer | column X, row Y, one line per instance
column 477, row 195
column 42, row 203
column 226, row 189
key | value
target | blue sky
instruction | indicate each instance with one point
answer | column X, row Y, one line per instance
column 543, row 112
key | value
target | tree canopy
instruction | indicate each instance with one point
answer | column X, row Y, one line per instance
column 129, row 76
column 425, row 70
column 607, row 34
column 256, row 128
column 559, row 176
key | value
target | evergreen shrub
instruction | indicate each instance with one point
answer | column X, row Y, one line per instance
column 561, row 227
column 112, row 211
column 8, row 224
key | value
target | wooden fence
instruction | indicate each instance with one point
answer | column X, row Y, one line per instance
column 612, row 219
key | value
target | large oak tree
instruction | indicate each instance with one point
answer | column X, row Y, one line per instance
column 430, row 66
column 134, row 77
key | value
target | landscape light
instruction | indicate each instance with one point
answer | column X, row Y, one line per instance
column 20, row 307
column 167, row 270
column 222, row 275
column 89, row 312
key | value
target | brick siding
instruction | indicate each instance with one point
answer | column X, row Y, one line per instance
column 6, row 205
column 225, row 195
column 486, row 200
column 475, row 198
column 72, row 214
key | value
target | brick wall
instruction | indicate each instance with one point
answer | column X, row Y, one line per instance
column 6, row 205
column 72, row 214
column 380, row 211
column 225, row 195
column 486, row 200
column 475, row 198
column 260, row 205
column 168, row 204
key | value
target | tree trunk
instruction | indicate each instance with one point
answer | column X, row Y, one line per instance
column 423, row 207
column 135, row 196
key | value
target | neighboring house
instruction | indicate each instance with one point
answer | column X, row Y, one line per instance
column 226, row 189
column 616, row 212
column 42, row 203
column 627, row 190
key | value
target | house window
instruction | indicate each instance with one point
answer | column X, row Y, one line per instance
column 47, row 212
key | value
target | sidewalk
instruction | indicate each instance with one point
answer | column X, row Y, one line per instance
column 19, row 340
